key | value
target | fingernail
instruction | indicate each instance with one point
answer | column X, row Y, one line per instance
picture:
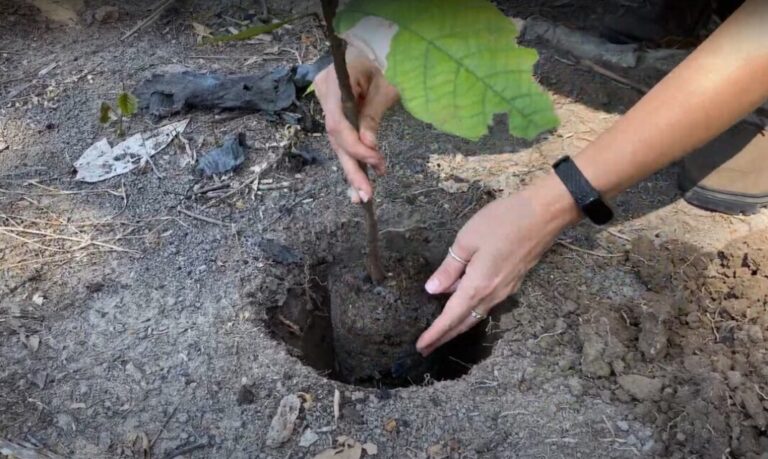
column 354, row 196
column 432, row 286
column 363, row 195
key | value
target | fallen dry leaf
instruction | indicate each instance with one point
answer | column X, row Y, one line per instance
column 102, row 161
column 503, row 171
column 201, row 30
column 38, row 299
column 390, row 425
column 63, row 11
column 437, row 452
column 309, row 400
column 281, row 428
column 346, row 448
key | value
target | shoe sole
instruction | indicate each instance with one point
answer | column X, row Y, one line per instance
column 718, row 201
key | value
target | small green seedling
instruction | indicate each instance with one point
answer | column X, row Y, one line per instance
column 126, row 106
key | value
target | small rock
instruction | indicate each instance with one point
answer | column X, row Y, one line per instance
column 696, row 364
column 735, row 379
column 65, row 422
column 370, row 448
column 755, row 333
column 308, row 438
column 182, row 418
column 648, row 445
column 569, row 306
column 350, row 414
column 105, row 440
column 106, row 14
column 134, row 372
column 245, row 396
column 281, row 428
column 622, row 395
column 641, row 387
column 566, row 363
column 3, row 145
column 622, row 425
column 32, row 342
column 576, row 387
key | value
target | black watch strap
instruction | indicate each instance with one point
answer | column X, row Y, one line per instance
column 586, row 196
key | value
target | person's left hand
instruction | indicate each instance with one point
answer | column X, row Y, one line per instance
column 500, row 244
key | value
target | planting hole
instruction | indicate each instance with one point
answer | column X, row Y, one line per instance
column 369, row 338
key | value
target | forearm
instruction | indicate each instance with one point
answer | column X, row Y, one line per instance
column 721, row 82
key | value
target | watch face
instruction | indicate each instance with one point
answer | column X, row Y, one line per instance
column 598, row 211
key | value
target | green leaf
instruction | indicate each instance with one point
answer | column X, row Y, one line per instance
column 127, row 103
column 104, row 113
column 252, row 31
column 310, row 89
column 456, row 64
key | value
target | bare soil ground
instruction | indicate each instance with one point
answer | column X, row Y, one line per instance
column 148, row 330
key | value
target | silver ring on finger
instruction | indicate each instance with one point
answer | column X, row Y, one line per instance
column 478, row 315
column 456, row 257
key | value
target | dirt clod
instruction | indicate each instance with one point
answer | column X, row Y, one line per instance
column 654, row 335
column 641, row 387
column 753, row 406
column 106, row 14
column 376, row 327
column 245, row 395
column 599, row 350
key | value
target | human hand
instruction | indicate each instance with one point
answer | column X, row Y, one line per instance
column 374, row 96
column 499, row 245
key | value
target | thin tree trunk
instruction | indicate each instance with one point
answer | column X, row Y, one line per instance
column 349, row 106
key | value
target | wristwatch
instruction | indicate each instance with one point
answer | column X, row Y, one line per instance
column 586, row 196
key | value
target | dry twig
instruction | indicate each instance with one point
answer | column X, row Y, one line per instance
column 615, row 77
column 84, row 242
column 203, row 218
column 159, row 9
column 587, row 251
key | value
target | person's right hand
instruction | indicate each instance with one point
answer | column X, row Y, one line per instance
column 374, row 96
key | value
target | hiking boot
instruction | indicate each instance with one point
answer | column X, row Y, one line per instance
column 664, row 23
column 730, row 173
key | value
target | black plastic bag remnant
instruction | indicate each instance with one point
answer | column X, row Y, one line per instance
column 164, row 95
column 307, row 156
column 224, row 158
column 305, row 73
column 278, row 252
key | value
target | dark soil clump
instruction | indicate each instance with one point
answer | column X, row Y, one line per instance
column 376, row 326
